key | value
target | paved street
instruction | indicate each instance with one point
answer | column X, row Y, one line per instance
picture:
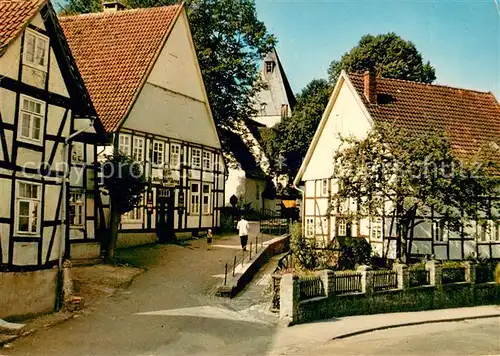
column 168, row 310
column 171, row 310
column 470, row 337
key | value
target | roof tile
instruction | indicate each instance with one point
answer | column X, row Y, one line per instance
column 471, row 119
column 114, row 51
column 15, row 14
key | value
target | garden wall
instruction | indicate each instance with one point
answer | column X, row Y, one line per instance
column 381, row 295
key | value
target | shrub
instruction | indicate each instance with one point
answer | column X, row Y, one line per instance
column 302, row 248
column 354, row 251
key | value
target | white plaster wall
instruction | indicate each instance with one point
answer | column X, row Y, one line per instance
column 56, row 81
column 9, row 61
column 177, row 67
column 235, row 184
column 346, row 118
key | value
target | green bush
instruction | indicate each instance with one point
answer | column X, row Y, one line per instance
column 302, row 248
column 355, row 251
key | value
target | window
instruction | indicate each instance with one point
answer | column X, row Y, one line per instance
column 28, row 208
column 196, row 158
column 134, row 214
column 325, row 187
column 284, row 111
column 36, row 47
column 138, row 150
column 269, row 66
column 376, row 229
column 496, row 235
column 32, row 115
column 175, row 156
column 440, row 231
column 342, row 227
column 207, row 161
column 309, row 227
column 124, row 144
column 158, row 153
column 76, row 209
column 77, row 152
column 195, row 198
column 488, row 231
column 206, row 199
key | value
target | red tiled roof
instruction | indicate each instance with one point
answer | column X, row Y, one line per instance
column 470, row 119
column 14, row 15
column 114, row 52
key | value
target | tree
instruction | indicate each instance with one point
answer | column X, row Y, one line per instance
column 291, row 137
column 390, row 56
column 124, row 183
column 400, row 176
column 230, row 41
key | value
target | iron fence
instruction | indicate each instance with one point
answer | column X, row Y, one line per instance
column 311, row 287
column 453, row 275
column 347, row 282
column 485, row 273
column 419, row 277
column 384, row 280
column 276, row 292
column 241, row 256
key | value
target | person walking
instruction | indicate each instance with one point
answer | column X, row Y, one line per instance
column 243, row 232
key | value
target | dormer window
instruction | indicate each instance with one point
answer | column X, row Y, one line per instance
column 36, row 48
column 269, row 66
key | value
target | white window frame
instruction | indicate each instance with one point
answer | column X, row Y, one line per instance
column 324, row 188
column 196, row 158
column 175, row 156
column 38, row 37
column 376, row 230
column 309, row 230
column 440, row 231
column 138, row 148
column 194, row 199
column 206, row 197
column 134, row 215
column 32, row 115
column 159, row 152
column 32, row 203
column 341, row 227
column 80, row 204
column 207, row 160
column 124, row 144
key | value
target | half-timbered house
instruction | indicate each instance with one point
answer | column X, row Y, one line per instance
column 471, row 119
column 49, row 133
column 142, row 72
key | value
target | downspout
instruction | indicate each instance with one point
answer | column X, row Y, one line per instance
column 64, row 222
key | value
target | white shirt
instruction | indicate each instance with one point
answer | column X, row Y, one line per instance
column 242, row 227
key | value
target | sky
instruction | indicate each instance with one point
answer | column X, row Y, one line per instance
column 461, row 39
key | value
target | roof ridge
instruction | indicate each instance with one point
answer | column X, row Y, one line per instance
column 115, row 13
column 427, row 84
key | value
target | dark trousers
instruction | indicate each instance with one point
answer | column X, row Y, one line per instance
column 244, row 240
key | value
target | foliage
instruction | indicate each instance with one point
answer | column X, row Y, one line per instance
column 291, row 137
column 230, row 41
column 307, row 254
column 354, row 252
column 125, row 183
column 390, row 56
column 400, row 175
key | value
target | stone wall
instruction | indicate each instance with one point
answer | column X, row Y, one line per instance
column 23, row 294
column 402, row 298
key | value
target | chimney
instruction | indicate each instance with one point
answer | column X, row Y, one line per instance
column 112, row 6
column 370, row 81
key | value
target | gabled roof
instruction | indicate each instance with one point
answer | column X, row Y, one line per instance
column 115, row 52
column 470, row 119
column 15, row 15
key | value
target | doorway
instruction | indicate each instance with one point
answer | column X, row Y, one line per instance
column 165, row 214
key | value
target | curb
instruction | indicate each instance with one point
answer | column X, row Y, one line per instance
column 414, row 323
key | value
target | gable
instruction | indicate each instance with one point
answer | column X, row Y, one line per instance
column 173, row 102
column 345, row 116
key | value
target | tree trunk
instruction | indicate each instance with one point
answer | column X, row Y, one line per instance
column 113, row 232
